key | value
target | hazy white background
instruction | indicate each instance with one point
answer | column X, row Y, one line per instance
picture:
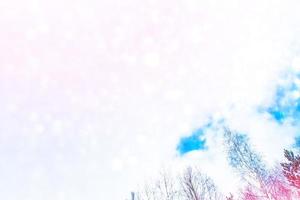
column 95, row 94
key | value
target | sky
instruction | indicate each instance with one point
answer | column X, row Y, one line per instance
column 96, row 96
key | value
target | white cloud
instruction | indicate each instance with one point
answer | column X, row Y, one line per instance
column 150, row 82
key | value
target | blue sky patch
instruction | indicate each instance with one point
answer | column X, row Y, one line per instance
column 286, row 104
column 278, row 114
column 192, row 142
column 297, row 142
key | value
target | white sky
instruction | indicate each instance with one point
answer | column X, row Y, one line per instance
column 96, row 94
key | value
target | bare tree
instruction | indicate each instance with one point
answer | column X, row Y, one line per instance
column 162, row 189
column 230, row 197
column 242, row 157
column 191, row 184
column 197, row 186
column 261, row 183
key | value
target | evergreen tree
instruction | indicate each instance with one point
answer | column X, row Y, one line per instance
column 291, row 169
